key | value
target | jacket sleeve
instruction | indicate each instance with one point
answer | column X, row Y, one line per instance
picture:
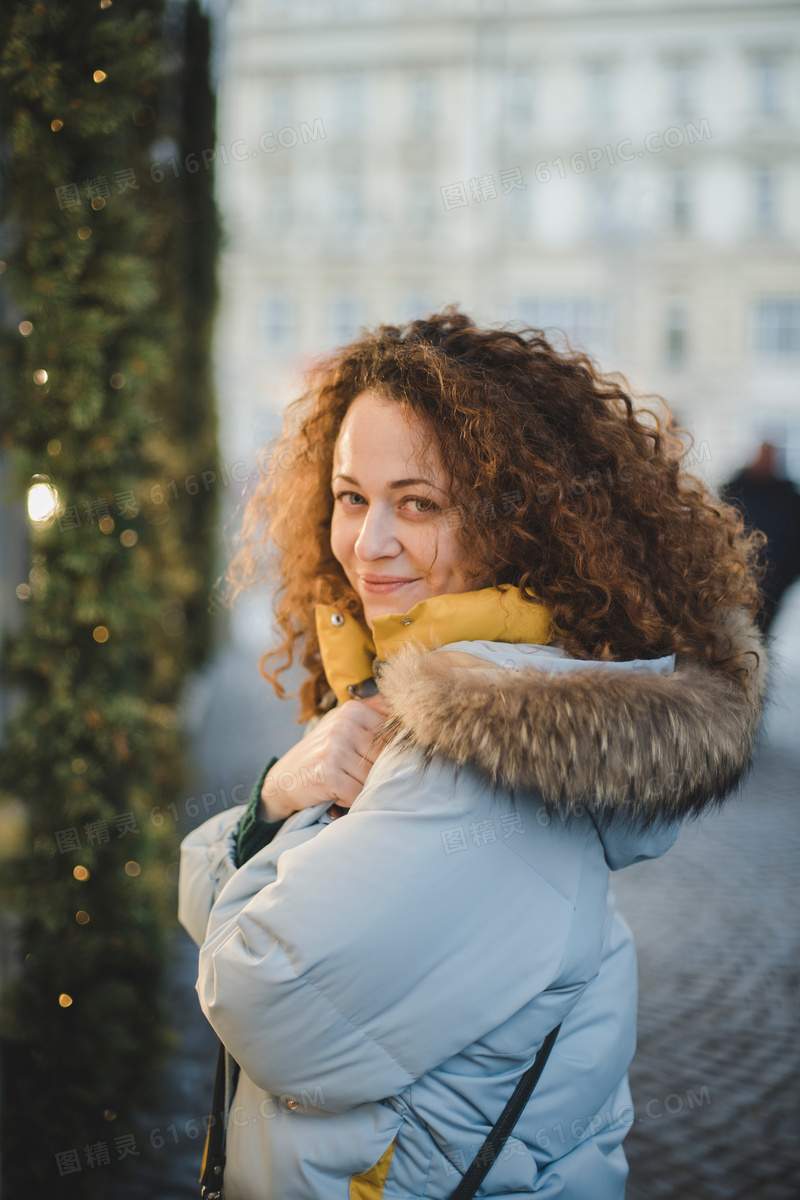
column 206, row 866
column 212, row 852
column 360, row 959
column 253, row 832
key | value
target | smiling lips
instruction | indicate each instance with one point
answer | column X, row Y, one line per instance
column 380, row 584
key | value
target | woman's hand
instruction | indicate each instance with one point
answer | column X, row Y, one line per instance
column 330, row 763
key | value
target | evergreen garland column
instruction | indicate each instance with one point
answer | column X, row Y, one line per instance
column 106, row 411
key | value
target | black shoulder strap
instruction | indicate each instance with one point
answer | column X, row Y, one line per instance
column 484, row 1159
column 213, row 1165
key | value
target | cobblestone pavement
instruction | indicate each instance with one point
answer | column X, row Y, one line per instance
column 716, row 1076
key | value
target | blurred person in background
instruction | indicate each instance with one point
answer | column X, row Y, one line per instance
column 770, row 503
column 530, row 655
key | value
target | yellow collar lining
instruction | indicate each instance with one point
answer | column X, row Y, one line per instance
column 348, row 648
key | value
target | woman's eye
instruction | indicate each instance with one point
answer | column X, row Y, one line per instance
column 422, row 503
column 425, row 505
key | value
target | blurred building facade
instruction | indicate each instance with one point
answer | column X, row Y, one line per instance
column 627, row 172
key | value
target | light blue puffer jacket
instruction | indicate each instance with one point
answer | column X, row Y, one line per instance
column 384, row 979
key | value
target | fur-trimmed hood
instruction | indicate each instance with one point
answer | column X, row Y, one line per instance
column 653, row 739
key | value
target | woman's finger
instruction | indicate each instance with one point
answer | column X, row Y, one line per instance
column 343, row 787
column 377, row 704
column 365, row 713
column 363, row 745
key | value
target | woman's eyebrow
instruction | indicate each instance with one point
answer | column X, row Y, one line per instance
column 397, row 483
column 400, row 483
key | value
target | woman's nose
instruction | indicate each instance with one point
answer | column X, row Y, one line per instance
column 376, row 539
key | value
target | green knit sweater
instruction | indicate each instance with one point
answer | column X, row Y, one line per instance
column 253, row 833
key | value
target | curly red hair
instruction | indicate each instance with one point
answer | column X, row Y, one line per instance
column 566, row 489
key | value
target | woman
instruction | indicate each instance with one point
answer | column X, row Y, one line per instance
column 560, row 622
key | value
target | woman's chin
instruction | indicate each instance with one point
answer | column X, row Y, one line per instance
column 397, row 601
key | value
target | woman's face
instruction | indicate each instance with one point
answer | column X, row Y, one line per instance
column 390, row 529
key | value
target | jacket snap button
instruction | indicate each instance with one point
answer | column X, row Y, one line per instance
column 293, row 1104
column 406, row 621
column 337, row 619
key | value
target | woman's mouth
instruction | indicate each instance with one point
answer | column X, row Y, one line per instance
column 383, row 584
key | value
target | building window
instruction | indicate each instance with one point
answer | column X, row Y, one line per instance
column 600, row 93
column 517, row 214
column 279, row 205
column 423, row 209
column 682, row 83
column 676, row 335
column 778, row 327
column 767, row 85
column 348, row 204
column 345, row 319
column 348, row 105
column 605, row 212
column 518, row 97
column 584, row 321
column 680, row 202
column 281, row 107
column 277, row 322
column 422, row 105
column 765, row 200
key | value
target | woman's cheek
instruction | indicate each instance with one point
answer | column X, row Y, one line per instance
column 342, row 552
